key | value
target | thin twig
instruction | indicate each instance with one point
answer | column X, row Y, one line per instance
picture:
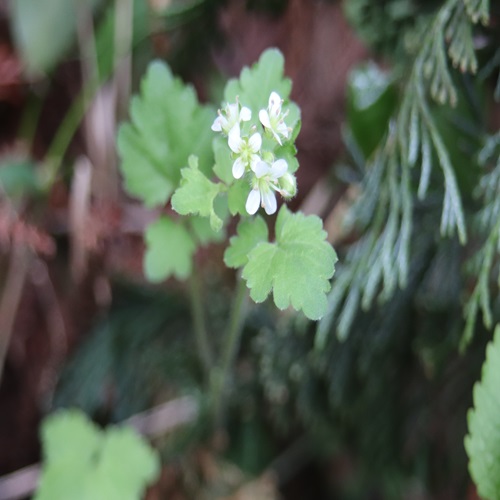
column 19, row 262
column 56, row 328
column 124, row 28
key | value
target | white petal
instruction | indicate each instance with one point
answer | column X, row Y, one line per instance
column 254, row 160
column 278, row 168
column 276, row 136
column 255, row 142
column 232, row 112
column 283, row 130
column 245, row 114
column 274, row 103
column 264, row 118
column 262, row 168
column 238, row 168
column 217, row 125
column 253, row 201
column 269, row 202
column 234, row 140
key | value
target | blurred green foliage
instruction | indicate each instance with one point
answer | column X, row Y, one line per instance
column 85, row 463
column 380, row 382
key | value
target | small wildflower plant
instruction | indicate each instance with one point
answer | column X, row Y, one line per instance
column 210, row 166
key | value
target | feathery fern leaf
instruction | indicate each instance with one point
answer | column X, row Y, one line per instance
column 414, row 145
column 488, row 222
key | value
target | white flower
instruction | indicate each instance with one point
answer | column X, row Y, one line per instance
column 246, row 150
column 231, row 115
column 273, row 119
column 265, row 183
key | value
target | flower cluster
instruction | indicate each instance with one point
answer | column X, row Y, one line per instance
column 266, row 173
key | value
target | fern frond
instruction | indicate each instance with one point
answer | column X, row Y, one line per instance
column 450, row 36
column 378, row 264
column 483, row 262
column 488, row 69
column 478, row 10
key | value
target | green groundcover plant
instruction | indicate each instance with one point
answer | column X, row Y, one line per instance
column 423, row 245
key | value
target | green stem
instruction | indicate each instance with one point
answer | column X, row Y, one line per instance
column 67, row 130
column 201, row 336
column 231, row 344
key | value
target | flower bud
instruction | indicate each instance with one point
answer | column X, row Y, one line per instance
column 288, row 185
column 268, row 157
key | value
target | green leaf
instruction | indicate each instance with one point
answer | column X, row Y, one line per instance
column 237, row 196
column 203, row 232
column 371, row 101
column 128, row 461
column 255, row 85
column 69, row 436
column 106, row 36
column 82, row 462
column 169, row 251
column 483, row 441
column 168, row 125
column 288, row 152
column 196, row 194
column 223, row 163
column 45, row 30
column 251, row 232
column 297, row 267
column 18, row 178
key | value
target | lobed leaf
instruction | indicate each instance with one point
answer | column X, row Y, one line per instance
column 483, row 440
column 167, row 126
column 251, row 232
column 169, row 251
column 223, row 167
column 296, row 268
column 203, row 232
column 69, row 436
column 84, row 463
column 196, row 194
column 255, row 85
column 237, row 196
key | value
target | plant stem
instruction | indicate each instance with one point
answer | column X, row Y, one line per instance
column 200, row 331
column 231, row 344
column 67, row 130
column 20, row 259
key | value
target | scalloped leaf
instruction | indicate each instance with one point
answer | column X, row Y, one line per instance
column 250, row 233
column 85, row 463
column 296, row 268
column 223, row 163
column 196, row 194
column 483, row 441
column 255, row 85
column 168, row 125
column 237, row 195
column 203, row 232
column 170, row 250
